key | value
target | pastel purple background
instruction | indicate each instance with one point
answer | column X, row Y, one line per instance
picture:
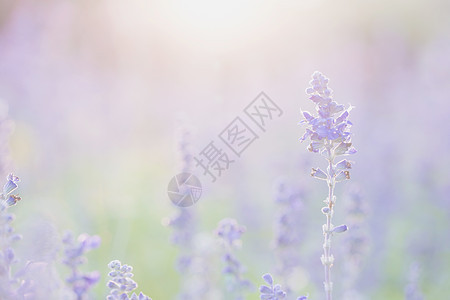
column 95, row 89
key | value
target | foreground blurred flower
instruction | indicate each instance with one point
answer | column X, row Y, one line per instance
column 412, row 289
column 329, row 135
column 74, row 250
column 8, row 282
column 121, row 283
column 273, row 292
column 229, row 233
column 184, row 224
column 355, row 243
column 289, row 232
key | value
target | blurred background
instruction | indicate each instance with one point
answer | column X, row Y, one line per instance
column 94, row 91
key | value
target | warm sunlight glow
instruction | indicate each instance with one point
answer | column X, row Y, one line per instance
column 219, row 22
column 211, row 15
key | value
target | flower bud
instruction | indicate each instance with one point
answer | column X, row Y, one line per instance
column 9, row 187
column 325, row 210
column 342, row 148
column 343, row 175
column 308, row 116
column 315, row 146
column 343, row 165
column 318, row 173
column 339, row 229
column 12, row 200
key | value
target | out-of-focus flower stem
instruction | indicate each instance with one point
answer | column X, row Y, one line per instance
column 327, row 260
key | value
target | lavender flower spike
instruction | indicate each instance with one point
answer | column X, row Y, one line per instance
column 229, row 232
column 329, row 134
column 330, row 128
column 79, row 282
column 412, row 289
column 121, row 283
column 8, row 281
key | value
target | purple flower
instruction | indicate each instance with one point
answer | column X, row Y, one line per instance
column 290, row 229
column 121, row 283
column 319, row 174
column 412, row 289
column 230, row 231
column 11, row 184
column 355, row 243
column 340, row 229
column 331, row 122
column 74, row 251
column 12, row 200
column 183, row 135
column 343, row 165
column 8, row 281
column 271, row 292
column 183, row 223
column 329, row 134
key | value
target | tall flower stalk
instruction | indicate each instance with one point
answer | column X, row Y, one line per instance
column 289, row 232
column 356, row 243
column 8, row 281
column 74, row 250
column 412, row 289
column 229, row 232
column 329, row 134
column 184, row 220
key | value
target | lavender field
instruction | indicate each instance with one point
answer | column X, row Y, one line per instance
column 222, row 150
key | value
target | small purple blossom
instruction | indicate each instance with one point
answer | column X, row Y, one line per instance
column 74, row 251
column 183, row 224
column 270, row 291
column 11, row 184
column 6, row 197
column 121, row 283
column 319, row 174
column 273, row 292
column 340, row 229
column 230, row 231
column 344, row 165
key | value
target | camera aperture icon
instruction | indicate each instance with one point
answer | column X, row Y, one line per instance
column 184, row 189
